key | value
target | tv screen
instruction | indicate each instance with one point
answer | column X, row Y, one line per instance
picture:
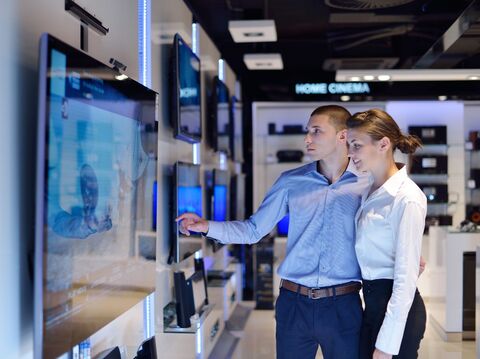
column 96, row 169
column 187, row 198
column 282, row 226
column 220, row 117
column 186, row 91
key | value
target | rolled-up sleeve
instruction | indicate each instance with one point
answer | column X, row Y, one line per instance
column 273, row 208
column 407, row 264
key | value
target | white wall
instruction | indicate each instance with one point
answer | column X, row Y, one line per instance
column 15, row 341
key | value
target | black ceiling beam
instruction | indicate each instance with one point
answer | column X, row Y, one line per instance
column 440, row 48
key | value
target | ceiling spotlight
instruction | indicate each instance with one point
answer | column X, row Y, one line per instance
column 474, row 77
column 263, row 61
column 355, row 78
column 442, row 98
column 345, row 98
column 369, row 77
column 384, row 77
column 252, row 30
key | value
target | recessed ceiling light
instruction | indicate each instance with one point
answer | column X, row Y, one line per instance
column 474, row 77
column 263, row 61
column 355, row 78
column 369, row 77
column 345, row 98
column 442, row 98
column 384, row 77
column 253, row 30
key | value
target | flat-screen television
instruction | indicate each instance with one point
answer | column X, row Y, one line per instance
column 187, row 197
column 96, row 168
column 186, row 92
column 220, row 117
column 282, row 226
column 236, row 137
column 217, row 192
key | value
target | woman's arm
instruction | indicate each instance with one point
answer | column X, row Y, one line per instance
column 409, row 231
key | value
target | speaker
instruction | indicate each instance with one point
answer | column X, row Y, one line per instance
column 290, row 156
column 184, row 299
column 147, row 350
column 430, row 135
column 272, row 128
column 435, row 193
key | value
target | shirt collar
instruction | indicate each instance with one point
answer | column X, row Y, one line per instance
column 393, row 184
column 312, row 167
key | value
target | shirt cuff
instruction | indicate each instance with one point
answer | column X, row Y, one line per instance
column 390, row 336
column 215, row 230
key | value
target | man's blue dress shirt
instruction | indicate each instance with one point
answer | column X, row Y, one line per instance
column 321, row 234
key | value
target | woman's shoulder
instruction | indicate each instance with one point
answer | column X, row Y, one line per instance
column 410, row 192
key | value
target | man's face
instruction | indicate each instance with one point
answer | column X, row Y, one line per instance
column 322, row 138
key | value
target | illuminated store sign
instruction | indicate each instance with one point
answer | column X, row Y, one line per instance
column 332, row 88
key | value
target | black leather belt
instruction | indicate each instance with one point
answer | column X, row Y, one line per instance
column 317, row 293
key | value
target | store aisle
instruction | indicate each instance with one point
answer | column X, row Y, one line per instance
column 258, row 341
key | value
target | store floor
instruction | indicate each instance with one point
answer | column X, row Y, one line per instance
column 258, row 341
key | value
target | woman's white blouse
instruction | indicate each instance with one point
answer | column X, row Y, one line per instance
column 390, row 224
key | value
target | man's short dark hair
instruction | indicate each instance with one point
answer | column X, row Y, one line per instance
column 338, row 115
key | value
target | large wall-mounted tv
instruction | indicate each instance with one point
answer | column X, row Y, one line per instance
column 96, row 169
column 220, row 117
column 187, row 197
column 186, row 92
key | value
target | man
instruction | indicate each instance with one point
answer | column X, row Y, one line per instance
column 319, row 302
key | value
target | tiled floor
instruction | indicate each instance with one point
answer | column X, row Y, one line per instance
column 258, row 341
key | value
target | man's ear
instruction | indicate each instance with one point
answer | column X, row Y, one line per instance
column 342, row 135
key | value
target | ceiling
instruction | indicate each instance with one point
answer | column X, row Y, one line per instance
column 317, row 37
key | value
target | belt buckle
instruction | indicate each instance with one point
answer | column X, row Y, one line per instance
column 311, row 294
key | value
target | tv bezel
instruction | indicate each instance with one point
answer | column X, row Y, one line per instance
column 176, row 113
column 46, row 43
column 174, row 256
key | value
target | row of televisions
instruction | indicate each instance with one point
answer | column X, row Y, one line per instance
column 222, row 109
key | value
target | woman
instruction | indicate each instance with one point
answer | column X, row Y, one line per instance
column 390, row 223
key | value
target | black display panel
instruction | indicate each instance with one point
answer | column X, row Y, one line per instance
column 220, row 117
column 186, row 92
column 187, row 198
column 96, row 168
column 430, row 135
column 435, row 193
column 429, row 164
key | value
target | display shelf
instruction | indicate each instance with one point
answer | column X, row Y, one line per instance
column 196, row 320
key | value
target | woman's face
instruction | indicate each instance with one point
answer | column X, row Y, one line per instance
column 365, row 153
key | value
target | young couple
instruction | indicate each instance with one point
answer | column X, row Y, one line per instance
column 355, row 216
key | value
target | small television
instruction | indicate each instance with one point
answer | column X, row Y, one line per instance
column 186, row 92
column 282, row 226
column 236, row 136
column 217, row 185
column 96, row 168
column 220, row 117
column 187, row 198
